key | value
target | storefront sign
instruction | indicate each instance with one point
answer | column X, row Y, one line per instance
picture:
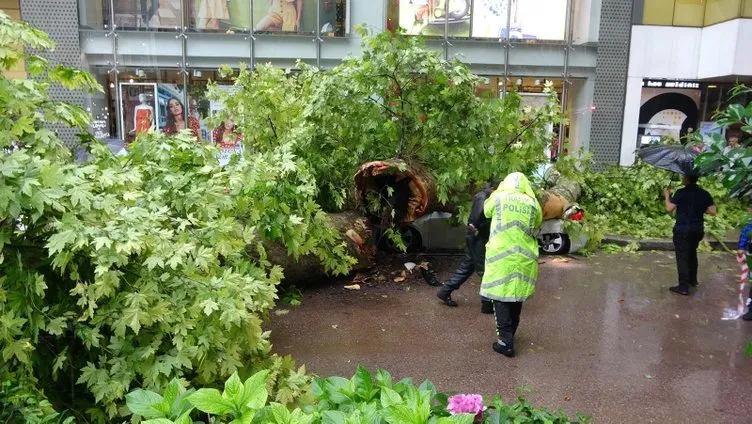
column 670, row 84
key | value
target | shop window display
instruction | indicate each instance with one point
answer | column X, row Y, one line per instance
column 147, row 14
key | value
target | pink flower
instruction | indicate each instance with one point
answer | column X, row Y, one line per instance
column 466, row 404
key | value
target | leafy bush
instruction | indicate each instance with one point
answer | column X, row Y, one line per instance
column 135, row 270
column 733, row 168
column 365, row 398
column 628, row 201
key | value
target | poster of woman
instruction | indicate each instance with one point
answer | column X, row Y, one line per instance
column 175, row 119
column 147, row 14
column 229, row 140
column 211, row 14
column 282, row 15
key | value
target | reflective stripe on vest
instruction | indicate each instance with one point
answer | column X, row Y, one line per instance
column 508, row 278
column 516, row 249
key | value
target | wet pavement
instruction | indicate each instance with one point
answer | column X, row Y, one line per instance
column 603, row 336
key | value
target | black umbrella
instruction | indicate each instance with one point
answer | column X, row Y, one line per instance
column 674, row 158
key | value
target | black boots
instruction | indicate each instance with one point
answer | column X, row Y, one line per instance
column 446, row 297
column 682, row 290
column 429, row 277
column 505, row 350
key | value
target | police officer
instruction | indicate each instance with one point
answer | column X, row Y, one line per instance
column 511, row 255
column 478, row 228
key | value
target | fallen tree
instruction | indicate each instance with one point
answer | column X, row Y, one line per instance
column 307, row 270
column 405, row 122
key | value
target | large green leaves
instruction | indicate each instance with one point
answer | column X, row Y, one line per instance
column 733, row 167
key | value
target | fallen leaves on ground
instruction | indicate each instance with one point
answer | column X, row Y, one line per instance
column 353, row 287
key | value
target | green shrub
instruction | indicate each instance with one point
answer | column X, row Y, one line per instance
column 365, row 398
column 134, row 270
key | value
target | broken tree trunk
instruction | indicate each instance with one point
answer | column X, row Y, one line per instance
column 562, row 194
column 395, row 192
column 307, row 270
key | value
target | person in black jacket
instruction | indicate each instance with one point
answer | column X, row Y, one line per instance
column 478, row 231
column 690, row 203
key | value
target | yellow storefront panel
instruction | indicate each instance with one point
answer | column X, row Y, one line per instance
column 747, row 9
column 721, row 10
column 658, row 12
column 689, row 13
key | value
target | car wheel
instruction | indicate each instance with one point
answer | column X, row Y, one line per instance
column 410, row 237
column 554, row 243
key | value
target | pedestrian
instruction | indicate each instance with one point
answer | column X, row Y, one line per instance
column 511, row 255
column 733, row 142
column 478, row 230
column 744, row 257
column 690, row 203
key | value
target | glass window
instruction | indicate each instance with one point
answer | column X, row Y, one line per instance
column 147, row 15
column 333, row 15
column 721, row 10
column 490, row 19
column 585, row 21
column 658, row 12
column 102, row 106
column 489, row 87
column 219, row 15
column 689, row 13
column 747, row 9
column 429, row 17
column 284, row 16
column 528, row 24
column 91, row 13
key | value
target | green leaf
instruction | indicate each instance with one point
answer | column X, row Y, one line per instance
column 211, row 402
column 255, row 394
column 389, row 397
column 141, row 402
column 458, row 419
column 334, row 417
column 234, row 390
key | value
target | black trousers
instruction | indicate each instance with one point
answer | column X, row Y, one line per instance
column 474, row 261
column 685, row 246
column 507, row 320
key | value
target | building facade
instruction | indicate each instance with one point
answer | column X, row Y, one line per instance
column 151, row 54
column 685, row 58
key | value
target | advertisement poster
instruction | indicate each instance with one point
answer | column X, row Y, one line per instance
column 139, row 111
column 147, row 14
column 490, row 18
column 537, row 20
column 171, row 111
column 226, row 136
column 428, row 17
column 293, row 16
